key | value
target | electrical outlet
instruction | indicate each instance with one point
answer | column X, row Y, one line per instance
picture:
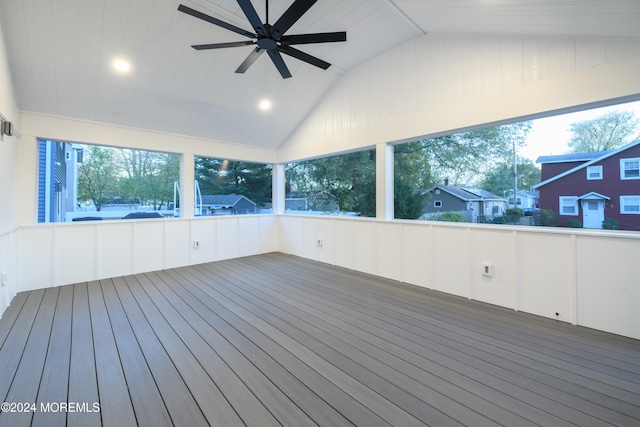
column 3, row 278
column 196, row 244
column 319, row 242
column 487, row 269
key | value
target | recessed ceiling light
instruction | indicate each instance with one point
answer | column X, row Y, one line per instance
column 121, row 65
column 265, row 105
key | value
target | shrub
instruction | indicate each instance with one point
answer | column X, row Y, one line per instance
column 499, row 220
column 545, row 218
column 610, row 224
column 574, row 223
column 452, row 217
column 515, row 212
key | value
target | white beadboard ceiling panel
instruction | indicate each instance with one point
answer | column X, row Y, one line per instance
column 61, row 54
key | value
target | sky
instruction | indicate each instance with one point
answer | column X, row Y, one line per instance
column 551, row 135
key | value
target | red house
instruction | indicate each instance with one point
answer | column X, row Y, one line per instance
column 592, row 187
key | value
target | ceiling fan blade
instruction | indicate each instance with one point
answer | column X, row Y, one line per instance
column 252, row 16
column 298, row 54
column 212, row 20
column 314, row 38
column 221, row 45
column 279, row 63
column 248, row 62
column 295, row 11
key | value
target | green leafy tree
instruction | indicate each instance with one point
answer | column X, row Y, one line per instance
column 464, row 156
column 499, row 179
column 98, row 175
column 407, row 203
column 348, row 179
column 148, row 176
column 218, row 176
column 606, row 132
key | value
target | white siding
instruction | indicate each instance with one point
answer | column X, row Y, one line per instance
column 435, row 84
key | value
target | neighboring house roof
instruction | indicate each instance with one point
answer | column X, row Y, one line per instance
column 588, row 163
column 593, row 196
column 224, row 200
column 573, row 157
column 529, row 193
column 484, row 194
column 467, row 194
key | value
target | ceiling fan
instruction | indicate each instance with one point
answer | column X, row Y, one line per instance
column 270, row 38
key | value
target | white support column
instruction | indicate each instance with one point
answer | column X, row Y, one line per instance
column 187, row 174
column 384, row 182
column 278, row 189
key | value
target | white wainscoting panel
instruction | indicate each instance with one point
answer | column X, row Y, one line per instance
column 36, row 252
column 497, row 248
column 115, row 249
column 344, row 243
column 451, row 260
column 417, row 255
column 545, row 279
column 177, row 243
column 75, row 256
column 309, row 237
column 46, row 255
column 326, row 252
column 148, row 245
column 269, row 236
column 248, row 230
column 608, row 277
column 389, row 250
column 8, row 252
column 364, row 246
column 227, row 235
column 204, row 231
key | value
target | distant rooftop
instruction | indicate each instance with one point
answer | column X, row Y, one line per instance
column 573, row 157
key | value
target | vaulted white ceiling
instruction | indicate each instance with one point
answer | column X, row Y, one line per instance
column 61, row 54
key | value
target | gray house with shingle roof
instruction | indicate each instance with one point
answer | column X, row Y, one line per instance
column 228, row 204
column 474, row 203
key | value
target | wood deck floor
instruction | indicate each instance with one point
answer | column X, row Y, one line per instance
column 278, row 340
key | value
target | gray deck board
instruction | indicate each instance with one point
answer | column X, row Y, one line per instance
column 83, row 383
column 278, row 340
column 54, row 385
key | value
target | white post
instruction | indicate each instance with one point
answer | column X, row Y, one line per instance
column 384, row 182
column 187, row 173
column 278, row 189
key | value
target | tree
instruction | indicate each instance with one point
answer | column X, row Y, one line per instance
column 218, row 176
column 500, row 178
column 349, row 179
column 464, row 156
column 97, row 175
column 606, row 132
column 407, row 202
column 148, row 176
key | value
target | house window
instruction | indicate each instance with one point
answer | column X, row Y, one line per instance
column 630, row 205
column 630, row 168
column 594, row 172
column 568, row 205
column 437, row 203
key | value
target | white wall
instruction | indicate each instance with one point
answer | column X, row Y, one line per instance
column 8, row 177
column 589, row 278
column 65, row 253
column 437, row 84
